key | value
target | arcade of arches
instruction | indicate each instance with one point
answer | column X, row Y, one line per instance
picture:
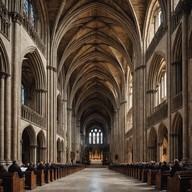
column 95, row 80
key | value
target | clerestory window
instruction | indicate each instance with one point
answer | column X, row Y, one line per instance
column 29, row 11
column 96, row 136
column 161, row 84
column 23, row 94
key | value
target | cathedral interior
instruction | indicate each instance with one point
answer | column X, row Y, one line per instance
column 87, row 81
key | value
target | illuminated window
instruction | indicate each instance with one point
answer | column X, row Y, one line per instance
column 95, row 136
column 22, row 94
column 161, row 85
column 29, row 11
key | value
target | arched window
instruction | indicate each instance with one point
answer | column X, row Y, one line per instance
column 161, row 84
column 155, row 20
column 22, row 94
column 96, row 136
column 130, row 91
column 29, row 11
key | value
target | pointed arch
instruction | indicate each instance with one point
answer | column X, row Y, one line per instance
column 177, row 134
column 41, row 146
column 4, row 62
column 29, row 142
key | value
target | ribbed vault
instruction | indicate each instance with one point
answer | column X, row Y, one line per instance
column 95, row 43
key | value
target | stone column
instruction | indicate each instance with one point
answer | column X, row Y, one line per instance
column 190, row 104
column 42, row 154
column 16, row 87
column 64, row 123
column 138, row 111
column 2, row 116
column 8, row 120
column 51, row 111
column 122, row 136
column 159, row 151
column 40, row 101
column 33, row 153
column 185, row 87
column 169, row 77
column 69, row 144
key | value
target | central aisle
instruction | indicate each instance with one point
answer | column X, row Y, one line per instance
column 96, row 180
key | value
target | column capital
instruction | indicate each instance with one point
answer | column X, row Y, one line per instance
column 69, row 109
column 41, row 90
column 4, row 75
column 173, row 135
column 33, row 146
column 52, row 68
column 139, row 67
column 16, row 17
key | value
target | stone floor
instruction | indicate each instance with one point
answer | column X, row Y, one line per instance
column 96, row 180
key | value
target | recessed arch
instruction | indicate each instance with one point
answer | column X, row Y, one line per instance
column 4, row 61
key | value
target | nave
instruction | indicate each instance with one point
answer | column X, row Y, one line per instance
column 96, row 180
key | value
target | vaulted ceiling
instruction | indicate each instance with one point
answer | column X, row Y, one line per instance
column 95, row 42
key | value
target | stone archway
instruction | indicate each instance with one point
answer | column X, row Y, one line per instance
column 41, row 146
column 152, row 145
column 28, row 145
column 163, row 143
column 177, row 137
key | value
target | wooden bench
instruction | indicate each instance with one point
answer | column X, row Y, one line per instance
column 161, row 180
column 47, row 175
column 55, row 174
column 144, row 175
column 1, row 187
column 180, row 181
column 12, row 182
column 52, row 175
column 140, row 173
column 59, row 173
column 40, row 177
column 151, row 176
column 30, row 180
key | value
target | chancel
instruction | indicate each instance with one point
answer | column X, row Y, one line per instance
column 97, row 84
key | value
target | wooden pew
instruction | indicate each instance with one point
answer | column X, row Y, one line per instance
column 144, row 175
column 151, row 176
column 1, row 187
column 55, row 174
column 180, row 181
column 40, row 177
column 47, row 175
column 161, row 180
column 12, row 182
column 30, row 180
column 52, row 175
column 140, row 173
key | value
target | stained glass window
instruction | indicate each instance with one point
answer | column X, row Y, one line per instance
column 95, row 136
column 29, row 11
